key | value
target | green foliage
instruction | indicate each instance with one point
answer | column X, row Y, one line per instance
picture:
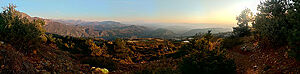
column 278, row 23
column 243, row 19
column 18, row 29
column 275, row 22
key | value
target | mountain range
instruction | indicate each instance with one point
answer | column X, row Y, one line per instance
column 104, row 29
column 112, row 29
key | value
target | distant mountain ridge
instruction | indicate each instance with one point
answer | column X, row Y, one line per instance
column 112, row 29
column 205, row 30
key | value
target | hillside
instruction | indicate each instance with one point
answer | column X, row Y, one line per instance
column 66, row 30
column 126, row 32
column 49, row 59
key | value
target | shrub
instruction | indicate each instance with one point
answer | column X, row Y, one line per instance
column 207, row 62
column 206, row 56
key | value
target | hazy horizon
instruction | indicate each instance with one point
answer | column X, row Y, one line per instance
column 219, row 13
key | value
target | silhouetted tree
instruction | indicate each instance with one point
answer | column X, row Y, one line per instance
column 244, row 20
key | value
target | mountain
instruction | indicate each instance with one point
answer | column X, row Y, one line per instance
column 63, row 29
column 55, row 27
column 213, row 30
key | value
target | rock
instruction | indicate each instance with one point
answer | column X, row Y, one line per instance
column 255, row 68
column 1, row 42
column 104, row 70
column 99, row 70
column 2, row 66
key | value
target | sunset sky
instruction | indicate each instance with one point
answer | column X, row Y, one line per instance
column 138, row 11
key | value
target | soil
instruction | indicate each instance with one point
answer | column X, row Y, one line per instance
column 270, row 61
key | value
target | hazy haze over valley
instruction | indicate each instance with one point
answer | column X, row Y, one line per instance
column 175, row 27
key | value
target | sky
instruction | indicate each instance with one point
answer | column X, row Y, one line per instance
column 221, row 12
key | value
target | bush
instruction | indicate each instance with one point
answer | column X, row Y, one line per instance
column 72, row 44
column 207, row 63
column 206, row 56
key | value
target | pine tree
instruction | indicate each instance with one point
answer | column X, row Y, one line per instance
column 278, row 23
column 20, row 30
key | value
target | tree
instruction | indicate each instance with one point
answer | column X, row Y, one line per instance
column 19, row 29
column 294, row 35
column 244, row 20
column 278, row 23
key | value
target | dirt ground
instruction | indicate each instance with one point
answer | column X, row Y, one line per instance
column 259, row 61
